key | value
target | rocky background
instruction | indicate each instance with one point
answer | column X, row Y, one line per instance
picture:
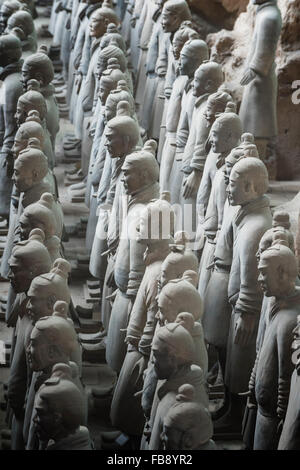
column 231, row 25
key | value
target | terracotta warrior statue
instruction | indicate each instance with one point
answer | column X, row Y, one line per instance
column 280, row 230
column 168, row 143
column 173, row 357
column 33, row 100
column 11, row 89
column 289, row 439
column 53, row 340
column 41, row 214
column 60, row 411
column 31, row 180
column 207, row 79
column 204, row 158
column 154, row 46
column 193, row 53
column 155, row 230
column 225, row 135
column 98, row 24
column 172, row 308
column 40, row 67
column 23, row 21
column 174, row 12
column 122, row 135
column 258, row 108
column 29, row 259
column 44, row 291
column 30, row 169
column 8, row 8
column 217, row 309
column 100, row 165
column 140, row 182
column 271, row 376
column 187, row 425
column 248, row 184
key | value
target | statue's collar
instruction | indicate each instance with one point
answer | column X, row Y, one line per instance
column 259, row 203
column 201, row 99
column 47, row 90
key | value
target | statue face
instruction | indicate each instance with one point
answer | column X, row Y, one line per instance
column 200, row 83
column 38, row 351
column 186, row 65
column 38, row 307
column 104, row 90
column 19, row 145
column 210, row 112
column 177, row 45
column 22, row 177
column 26, row 76
column 20, row 278
column 25, row 225
column 217, row 137
column 20, row 115
column 164, row 363
column 114, row 143
column 45, row 420
column 97, row 27
column 165, row 314
column 269, row 277
column 239, row 190
column 169, row 21
column 131, row 180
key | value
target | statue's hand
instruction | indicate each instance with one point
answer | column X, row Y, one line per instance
column 191, row 184
column 168, row 92
column 133, row 21
column 151, row 74
column 78, row 82
column 248, row 76
column 244, row 329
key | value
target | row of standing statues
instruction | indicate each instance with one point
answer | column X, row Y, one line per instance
column 198, row 277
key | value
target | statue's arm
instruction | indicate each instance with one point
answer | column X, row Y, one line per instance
column 250, row 295
column 200, row 154
column 137, row 266
column 285, row 366
column 86, row 54
column 152, row 54
column 266, row 45
column 182, row 133
column 137, row 318
column 10, row 126
column 151, row 320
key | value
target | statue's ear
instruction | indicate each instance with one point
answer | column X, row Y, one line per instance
column 35, row 174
